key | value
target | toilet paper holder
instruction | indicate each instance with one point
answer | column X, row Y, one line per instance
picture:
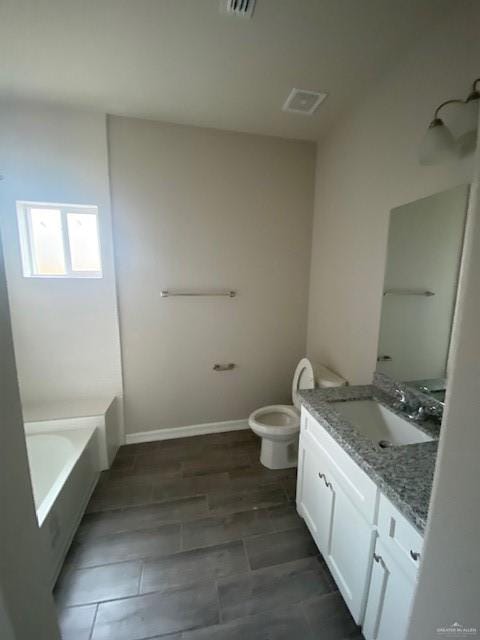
column 224, row 367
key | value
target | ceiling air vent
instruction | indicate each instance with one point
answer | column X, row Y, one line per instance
column 239, row 8
column 301, row 101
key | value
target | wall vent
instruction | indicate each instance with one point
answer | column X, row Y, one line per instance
column 302, row 101
column 238, row 8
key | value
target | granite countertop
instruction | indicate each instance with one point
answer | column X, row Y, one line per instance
column 403, row 473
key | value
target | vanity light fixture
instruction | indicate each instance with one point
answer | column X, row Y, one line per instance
column 439, row 143
column 466, row 142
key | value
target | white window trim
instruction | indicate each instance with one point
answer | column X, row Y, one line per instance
column 26, row 245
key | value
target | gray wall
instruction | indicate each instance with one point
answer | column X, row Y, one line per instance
column 200, row 209
column 26, row 605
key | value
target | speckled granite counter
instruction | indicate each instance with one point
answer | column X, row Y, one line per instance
column 403, row 473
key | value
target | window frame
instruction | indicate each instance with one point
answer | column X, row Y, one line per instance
column 28, row 257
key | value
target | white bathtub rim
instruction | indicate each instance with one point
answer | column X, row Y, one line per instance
column 54, row 425
column 77, row 408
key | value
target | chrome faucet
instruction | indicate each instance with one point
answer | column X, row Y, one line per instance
column 426, row 412
column 401, row 399
column 414, row 409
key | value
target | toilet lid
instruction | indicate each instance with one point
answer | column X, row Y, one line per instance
column 303, row 379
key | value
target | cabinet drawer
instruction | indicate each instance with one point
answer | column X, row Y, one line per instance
column 400, row 537
column 357, row 485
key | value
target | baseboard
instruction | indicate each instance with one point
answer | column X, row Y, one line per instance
column 185, row 432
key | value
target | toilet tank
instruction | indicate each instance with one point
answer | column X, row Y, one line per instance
column 327, row 378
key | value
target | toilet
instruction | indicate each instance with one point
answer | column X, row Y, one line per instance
column 278, row 425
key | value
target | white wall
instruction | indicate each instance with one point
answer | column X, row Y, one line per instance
column 367, row 166
column 65, row 331
column 201, row 209
column 448, row 588
column 26, row 605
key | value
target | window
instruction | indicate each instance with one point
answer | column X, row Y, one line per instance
column 59, row 240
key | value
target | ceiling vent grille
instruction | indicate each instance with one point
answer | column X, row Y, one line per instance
column 301, row 101
column 239, row 8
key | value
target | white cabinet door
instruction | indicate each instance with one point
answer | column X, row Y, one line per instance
column 341, row 532
column 350, row 550
column 389, row 599
column 314, row 498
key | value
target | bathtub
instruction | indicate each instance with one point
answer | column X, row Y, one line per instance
column 103, row 414
column 64, row 469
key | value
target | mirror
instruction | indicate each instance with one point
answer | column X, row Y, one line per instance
column 425, row 241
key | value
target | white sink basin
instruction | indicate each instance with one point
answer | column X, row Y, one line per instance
column 379, row 424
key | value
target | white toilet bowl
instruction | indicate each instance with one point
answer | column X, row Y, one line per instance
column 279, row 424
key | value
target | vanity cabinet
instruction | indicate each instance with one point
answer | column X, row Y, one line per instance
column 314, row 496
column 372, row 551
column 394, row 575
column 349, row 551
column 389, row 598
column 326, row 499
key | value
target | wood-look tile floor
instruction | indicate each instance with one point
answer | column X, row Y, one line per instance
column 192, row 539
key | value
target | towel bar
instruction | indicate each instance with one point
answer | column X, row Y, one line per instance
column 195, row 294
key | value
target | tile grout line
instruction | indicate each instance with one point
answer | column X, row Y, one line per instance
column 94, row 621
column 140, row 578
column 180, row 524
column 145, row 558
column 167, row 591
column 246, row 555
column 182, row 546
column 305, row 617
column 284, row 489
column 87, row 539
column 170, row 589
column 219, row 605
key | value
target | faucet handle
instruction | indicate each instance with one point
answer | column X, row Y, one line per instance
column 419, row 415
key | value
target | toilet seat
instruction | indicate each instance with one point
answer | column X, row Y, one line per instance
column 277, row 421
column 303, row 378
